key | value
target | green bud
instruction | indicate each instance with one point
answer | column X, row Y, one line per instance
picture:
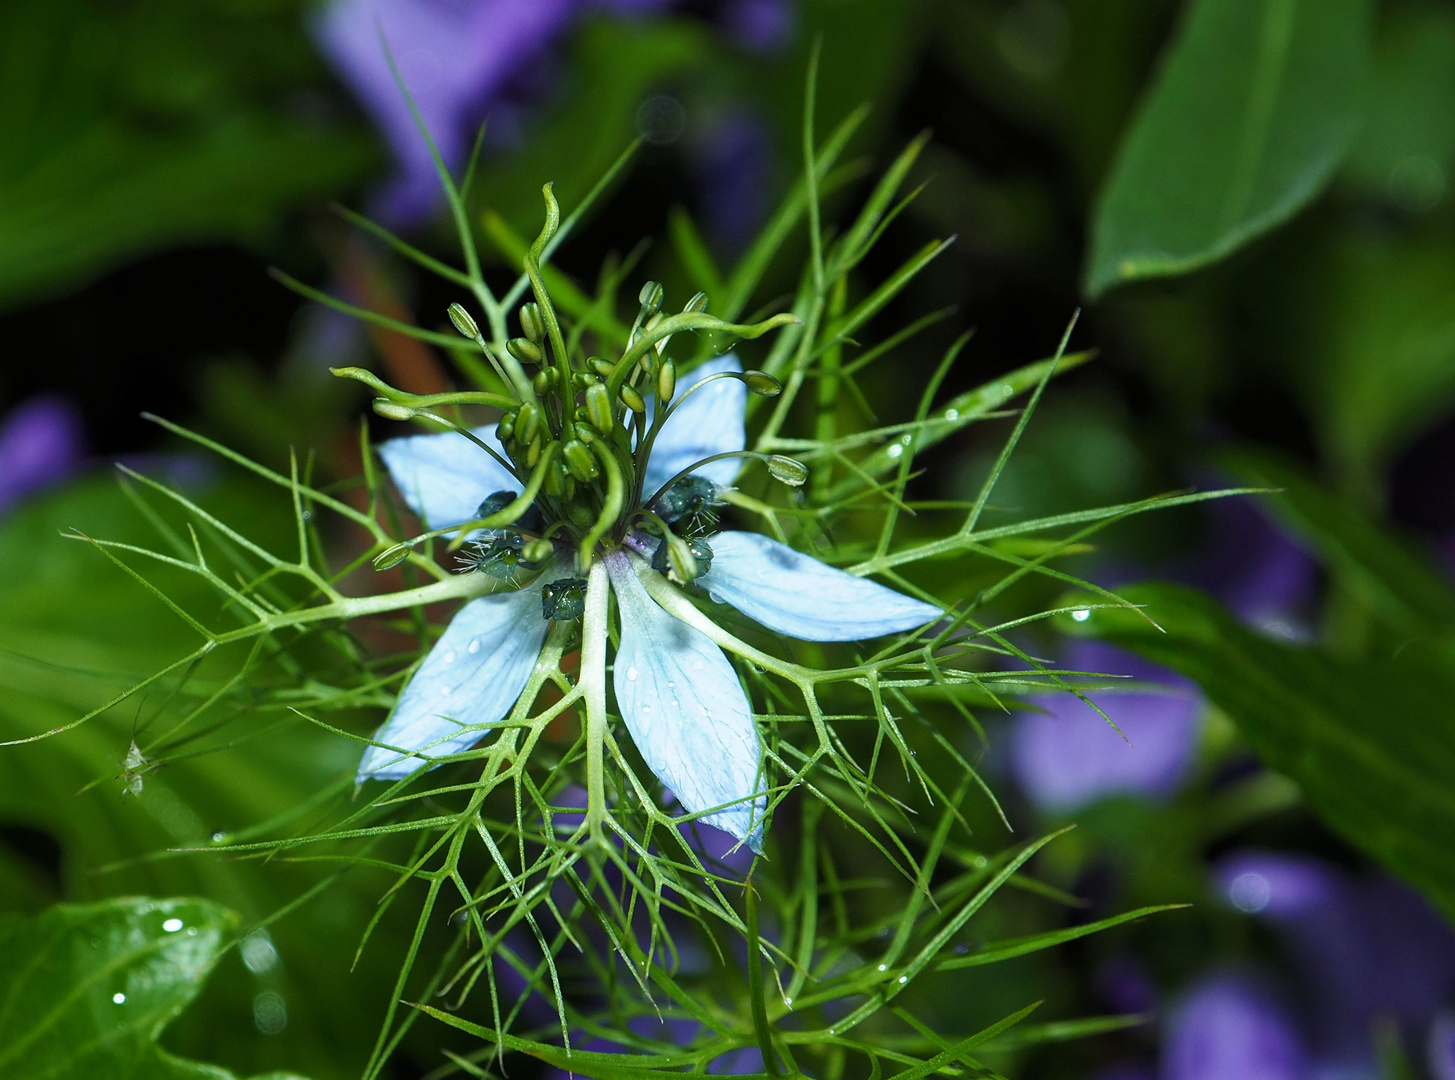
column 527, row 422
column 533, row 451
column 585, row 432
column 542, row 381
column 599, row 413
column 604, row 368
column 531, row 322
column 651, row 299
column 391, row 411
column 581, row 516
column 392, row 556
column 666, row 381
column 506, row 428
column 555, row 481
column 581, row 380
column 525, row 350
column 697, row 303
column 633, row 400
column 580, row 462
column 696, row 547
column 463, row 323
column 787, row 471
column 762, row 384
column 538, row 551
column 681, row 560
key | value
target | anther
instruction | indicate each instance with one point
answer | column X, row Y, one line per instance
column 599, row 412
column 525, row 350
column 632, row 400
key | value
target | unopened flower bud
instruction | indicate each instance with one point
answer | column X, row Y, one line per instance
column 531, row 322
column 555, row 482
column 533, row 451
column 632, row 400
column 527, row 422
column 579, row 461
column 392, row 556
column 538, row 551
column 389, row 410
column 651, row 299
column 506, row 428
column 762, row 384
column 582, row 379
column 525, row 350
column 604, row 368
column 599, row 413
column 787, row 471
column 542, row 381
column 463, row 322
column 666, row 381
column 697, row 303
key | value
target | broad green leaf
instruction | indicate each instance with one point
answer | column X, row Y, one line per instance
column 1372, row 743
column 1389, row 577
column 128, row 127
column 86, row 989
column 1254, row 107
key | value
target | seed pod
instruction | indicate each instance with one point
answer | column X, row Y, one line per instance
column 787, row 471
column 506, row 428
column 579, row 461
column 762, row 384
column 391, row 556
column 666, row 381
column 604, row 368
column 463, row 322
column 697, row 303
column 525, row 350
column 390, row 410
column 527, row 422
column 531, row 322
column 633, row 400
column 651, row 299
column 599, row 413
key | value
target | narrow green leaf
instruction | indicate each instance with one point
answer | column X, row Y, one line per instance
column 1255, row 106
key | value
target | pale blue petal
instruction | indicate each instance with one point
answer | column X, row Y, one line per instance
column 797, row 595
column 473, row 675
column 686, row 711
column 444, row 478
column 707, row 423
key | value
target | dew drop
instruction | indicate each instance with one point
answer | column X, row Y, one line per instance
column 646, row 708
column 450, row 657
column 903, row 979
column 191, row 931
column 171, row 926
column 883, row 967
column 895, row 451
column 952, row 414
column 1081, row 614
column 475, row 646
column 445, row 691
column 631, row 674
column 119, row 998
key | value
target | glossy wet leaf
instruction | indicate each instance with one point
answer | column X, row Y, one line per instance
column 86, row 989
column 1371, row 743
column 1253, row 109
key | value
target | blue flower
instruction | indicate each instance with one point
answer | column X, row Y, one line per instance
column 676, row 692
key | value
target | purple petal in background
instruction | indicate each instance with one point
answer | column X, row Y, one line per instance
column 1228, row 1028
column 1069, row 756
column 453, row 55
column 733, row 163
column 1365, row 947
column 41, row 443
column 1255, row 569
column 760, row 26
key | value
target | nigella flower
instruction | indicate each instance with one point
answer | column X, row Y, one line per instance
column 658, row 490
column 41, row 443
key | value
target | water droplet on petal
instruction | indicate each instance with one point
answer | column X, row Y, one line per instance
column 646, row 708
column 450, row 657
column 445, row 691
column 120, row 999
column 171, row 926
column 631, row 674
column 475, row 646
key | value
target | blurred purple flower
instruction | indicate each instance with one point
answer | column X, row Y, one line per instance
column 733, row 164
column 1124, row 984
column 1069, row 756
column 455, row 56
column 1255, row 569
column 760, row 26
column 41, row 443
column 1229, row 1028
column 1366, row 947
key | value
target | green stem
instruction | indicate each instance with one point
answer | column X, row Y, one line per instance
column 594, row 624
